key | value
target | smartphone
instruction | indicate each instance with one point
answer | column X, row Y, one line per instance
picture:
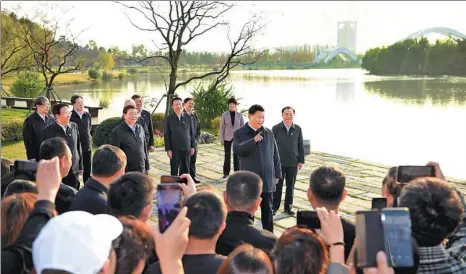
column 168, row 204
column 369, row 237
column 405, row 174
column 24, row 166
column 164, row 179
column 379, row 203
column 396, row 224
column 308, row 218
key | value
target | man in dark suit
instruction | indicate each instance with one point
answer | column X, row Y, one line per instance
column 289, row 139
column 33, row 126
column 145, row 120
column 83, row 120
column 179, row 139
column 70, row 132
column 129, row 136
column 257, row 150
column 188, row 104
column 242, row 198
column 108, row 165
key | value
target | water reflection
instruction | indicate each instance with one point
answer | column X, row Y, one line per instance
column 441, row 92
column 345, row 91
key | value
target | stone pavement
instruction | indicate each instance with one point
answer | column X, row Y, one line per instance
column 363, row 180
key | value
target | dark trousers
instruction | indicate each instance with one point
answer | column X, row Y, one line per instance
column 266, row 211
column 227, row 161
column 179, row 163
column 192, row 163
column 72, row 180
column 87, row 156
column 288, row 174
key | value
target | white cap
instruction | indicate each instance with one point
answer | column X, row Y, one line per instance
column 75, row 241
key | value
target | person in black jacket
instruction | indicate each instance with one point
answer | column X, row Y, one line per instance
column 289, row 137
column 145, row 120
column 108, row 165
column 179, row 139
column 129, row 137
column 33, row 126
column 188, row 104
column 84, row 121
column 70, row 132
column 242, row 198
column 257, row 150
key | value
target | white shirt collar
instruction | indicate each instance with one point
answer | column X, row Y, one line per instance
column 80, row 113
column 255, row 129
column 63, row 127
column 41, row 116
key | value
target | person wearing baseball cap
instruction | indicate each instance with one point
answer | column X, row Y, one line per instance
column 77, row 242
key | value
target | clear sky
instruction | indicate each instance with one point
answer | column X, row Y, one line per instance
column 291, row 22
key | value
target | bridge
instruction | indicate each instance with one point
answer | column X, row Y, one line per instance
column 328, row 55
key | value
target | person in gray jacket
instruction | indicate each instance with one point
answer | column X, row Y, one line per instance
column 290, row 145
column 231, row 121
column 258, row 152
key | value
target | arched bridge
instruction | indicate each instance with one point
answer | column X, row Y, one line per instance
column 440, row 30
column 328, row 55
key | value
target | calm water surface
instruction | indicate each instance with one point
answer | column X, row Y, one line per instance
column 391, row 120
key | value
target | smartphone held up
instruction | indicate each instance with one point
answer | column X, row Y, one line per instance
column 168, row 204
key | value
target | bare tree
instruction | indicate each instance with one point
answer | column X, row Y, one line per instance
column 183, row 22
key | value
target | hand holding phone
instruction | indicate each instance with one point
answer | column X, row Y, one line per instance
column 168, row 204
column 308, row 218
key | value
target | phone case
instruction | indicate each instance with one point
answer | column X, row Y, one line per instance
column 370, row 238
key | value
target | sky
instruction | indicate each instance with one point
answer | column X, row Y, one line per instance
column 289, row 22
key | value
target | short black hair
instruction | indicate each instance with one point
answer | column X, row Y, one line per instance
column 19, row 186
column 53, row 147
column 255, row 108
column 57, row 107
column 41, row 100
column 108, row 160
column 207, row 212
column 246, row 259
column 136, row 96
column 288, row 107
column 74, row 98
column 186, row 100
column 129, row 194
column 128, row 107
column 176, row 98
column 232, row 100
column 327, row 184
column 243, row 189
column 435, row 209
column 390, row 181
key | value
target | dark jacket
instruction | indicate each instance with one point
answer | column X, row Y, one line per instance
column 179, row 134
column 72, row 139
column 64, row 198
column 290, row 144
column 195, row 124
column 133, row 145
column 84, row 125
column 17, row 258
column 91, row 198
column 240, row 229
column 146, row 122
column 261, row 158
column 32, row 133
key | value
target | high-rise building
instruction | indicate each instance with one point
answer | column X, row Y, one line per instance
column 347, row 35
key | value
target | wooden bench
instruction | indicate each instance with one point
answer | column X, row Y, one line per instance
column 11, row 101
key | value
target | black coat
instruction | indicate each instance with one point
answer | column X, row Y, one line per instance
column 146, row 122
column 290, row 144
column 179, row 134
column 84, row 125
column 195, row 124
column 72, row 139
column 133, row 145
column 32, row 133
column 240, row 229
column 261, row 158
column 91, row 198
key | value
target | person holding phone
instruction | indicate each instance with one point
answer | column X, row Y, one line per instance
column 258, row 152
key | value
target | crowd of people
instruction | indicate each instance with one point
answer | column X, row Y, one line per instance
column 50, row 225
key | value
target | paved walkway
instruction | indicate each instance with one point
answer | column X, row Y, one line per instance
column 363, row 180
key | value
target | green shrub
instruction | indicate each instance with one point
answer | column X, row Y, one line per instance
column 94, row 74
column 132, row 71
column 121, row 75
column 216, row 124
column 157, row 121
column 28, row 85
column 159, row 141
column 12, row 130
column 104, row 102
column 103, row 132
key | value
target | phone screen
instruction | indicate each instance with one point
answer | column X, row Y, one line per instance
column 308, row 219
column 398, row 242
column 379, row 203
column 405, row 174
column 168, row 204
column 164, row 179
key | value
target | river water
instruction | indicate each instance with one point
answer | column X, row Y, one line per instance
column 390, row 120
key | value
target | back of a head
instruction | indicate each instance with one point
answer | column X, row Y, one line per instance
column 243, row 189
column 300, row 251
column 328, row 184
column 390, row 181
column 130, row 194
column 107, row 161
column 434, row 207
column 19, row 186
column 15, row 211
column 10, row 178
column 207, row 213
column 53, row 147
column 246, row 259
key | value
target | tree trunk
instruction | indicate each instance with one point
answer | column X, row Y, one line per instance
column 171, row 90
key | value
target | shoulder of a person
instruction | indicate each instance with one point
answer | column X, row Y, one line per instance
column 297, row 127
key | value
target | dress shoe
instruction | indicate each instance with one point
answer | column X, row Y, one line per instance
column 225, row 176
column 274, row 212
column 196, row 181
column 290, row 212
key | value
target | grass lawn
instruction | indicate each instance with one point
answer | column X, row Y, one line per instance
column 62, row 79
column 14, row 150
column 10, row 113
